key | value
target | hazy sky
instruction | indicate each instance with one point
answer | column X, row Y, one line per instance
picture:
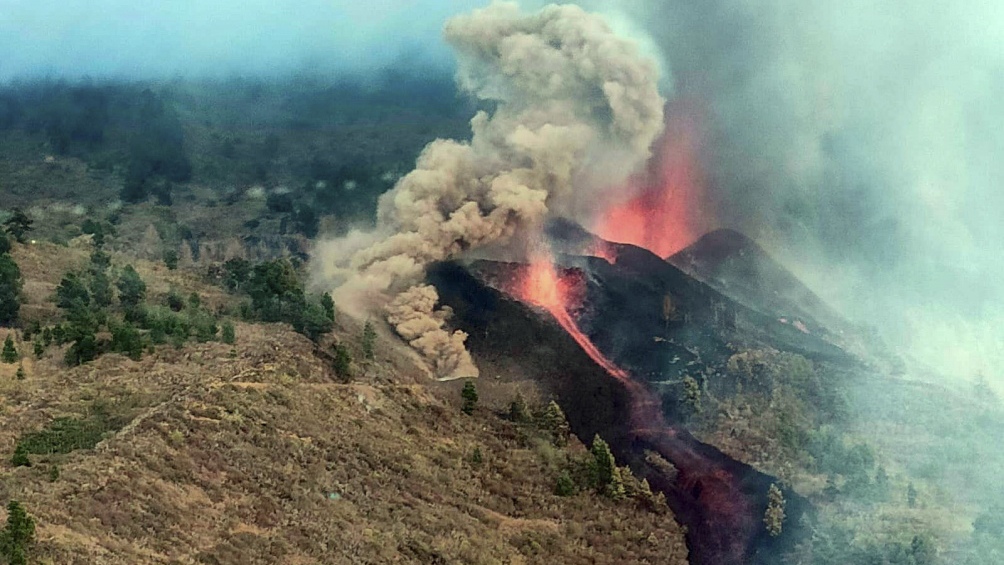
column 126, row 38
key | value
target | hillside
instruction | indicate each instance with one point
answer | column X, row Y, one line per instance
column 261, row 453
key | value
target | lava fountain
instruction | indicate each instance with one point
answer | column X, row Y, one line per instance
column 666, row 212
column 714, row 490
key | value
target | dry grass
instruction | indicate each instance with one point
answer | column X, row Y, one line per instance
column 259, row 454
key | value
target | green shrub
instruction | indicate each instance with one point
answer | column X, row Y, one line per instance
column 470, row 395
column 343, row 362
column 9, row 354
column 127, row 340
column 564, row 486
column 64, row 435
column 229, row 337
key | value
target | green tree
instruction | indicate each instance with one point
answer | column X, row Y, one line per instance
column 229, row 336
column 607, row 476
column 274, row 281
column 9, row 354
column 20, row 373
column 132, row 289
column 39, row 348
column 84, row 349
column 518, row 410
column 329, row 306
column 127, row 340
column 773, row 517
column 10, row 290
column 101, row 289
column 4, row 243
column 312, row 322
column 369, row 338
column 18, row 225
column 18, row 536
column 237, row 273
column 171, row 259
column 72, row 292
column 174, row 300
column 343, row 362
column 554, row 422
column 100, row 261
column 470, row 395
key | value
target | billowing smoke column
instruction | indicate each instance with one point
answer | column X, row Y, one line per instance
column 575, row 107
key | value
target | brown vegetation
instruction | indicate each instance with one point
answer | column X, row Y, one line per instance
column 259, row 453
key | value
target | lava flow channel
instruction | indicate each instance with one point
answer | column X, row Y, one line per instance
column 723, row 507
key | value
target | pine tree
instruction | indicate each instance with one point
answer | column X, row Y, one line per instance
column 369, row 338
column 607, row 475
column 329, row 306
column 18, row 225
column 18, row 536
column 343, row 362
column 518, row 411
column 229, row 336
column 10, row 290
column 553, row 420
column 470, row 396
column 20, row 373
column 132, row 289
column 9, row 354
column 773, row 518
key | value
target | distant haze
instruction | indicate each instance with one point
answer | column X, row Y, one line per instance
column 165, row 38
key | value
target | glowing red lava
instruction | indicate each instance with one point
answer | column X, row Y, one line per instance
column 540, row 284
column 665, row 214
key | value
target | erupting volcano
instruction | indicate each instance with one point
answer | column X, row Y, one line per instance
column 666, row 212
column 599, row 337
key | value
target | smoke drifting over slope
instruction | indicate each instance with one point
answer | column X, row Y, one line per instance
column 574, row 107
column 855, row 140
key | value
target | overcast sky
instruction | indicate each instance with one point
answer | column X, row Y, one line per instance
column 158, row 38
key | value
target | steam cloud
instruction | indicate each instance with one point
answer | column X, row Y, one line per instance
column 573, row 103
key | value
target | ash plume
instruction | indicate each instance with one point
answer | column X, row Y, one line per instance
column 575, row 108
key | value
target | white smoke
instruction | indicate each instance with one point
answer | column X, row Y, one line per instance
column 573, row 103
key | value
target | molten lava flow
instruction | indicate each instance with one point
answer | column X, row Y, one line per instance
column 665, row 215
column 717, row 494
column 541, row 286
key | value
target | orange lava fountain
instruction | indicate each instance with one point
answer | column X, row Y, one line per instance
column 665, row 214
